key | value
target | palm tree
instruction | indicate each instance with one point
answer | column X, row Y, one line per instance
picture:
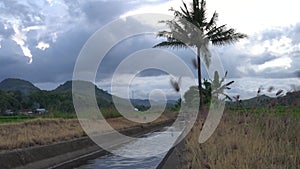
column 190, row 28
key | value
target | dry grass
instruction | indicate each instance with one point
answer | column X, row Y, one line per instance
column 38, row 132
column 247, row 141
column 48, row 131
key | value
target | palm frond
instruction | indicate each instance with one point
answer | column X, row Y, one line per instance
column 228, row 38
column 200, row 13
column 215, row 31
column 228, row 84
column 190, row 28
column 173, row 44
column 222, row 36
column 212, row 21
column 186, row 12
column 223, row 79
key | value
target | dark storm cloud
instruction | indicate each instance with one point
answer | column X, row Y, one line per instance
column 137, row 43
column 123, row 50
column 6, row 33
column 55, row 64
column 82, row 18
column 261, row 60
column 9, row 48
column 104, row 12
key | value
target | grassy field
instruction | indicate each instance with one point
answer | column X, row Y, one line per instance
column 249, row 140
column 15, row 119
column 107, row 113
column 282, row 111
column 23, row 118
column 25, row 131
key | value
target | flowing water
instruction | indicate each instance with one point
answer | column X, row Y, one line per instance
column 158, row 141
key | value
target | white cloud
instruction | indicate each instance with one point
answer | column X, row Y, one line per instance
column 20, row 38
column 280, row 46
column 258, row 49
column 31, row 28
column 38, row 21
column 247, row 87
column 249, row 16
column 255, row 15
column 51, row 3
column 279, row 63
column 161, row 8
column 42, row 45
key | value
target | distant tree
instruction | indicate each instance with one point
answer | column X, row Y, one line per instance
column 9, row 100
column 177, row 105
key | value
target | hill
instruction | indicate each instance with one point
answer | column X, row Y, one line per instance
column 16, row 94
column 290, row 99
column 102, row 96
column 23, row 86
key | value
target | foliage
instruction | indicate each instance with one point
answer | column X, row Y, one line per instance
column 9, row 100
column 177, row 105
column 218, row 88
column 190, row 28
column 14, row 119
column 52, row 101
column 23, row 86
column 212, row 89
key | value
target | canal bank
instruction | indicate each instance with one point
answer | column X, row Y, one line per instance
column 65, row 154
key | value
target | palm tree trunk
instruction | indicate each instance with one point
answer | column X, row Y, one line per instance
column 199, row 78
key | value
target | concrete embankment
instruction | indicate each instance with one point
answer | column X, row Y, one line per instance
column 173, row 159
column 66, row 154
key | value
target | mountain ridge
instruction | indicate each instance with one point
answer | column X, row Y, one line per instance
column 14, row 84
column 290, row 99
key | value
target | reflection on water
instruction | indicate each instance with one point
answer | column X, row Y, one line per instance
column 136, row 149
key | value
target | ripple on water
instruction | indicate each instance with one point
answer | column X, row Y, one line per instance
column 156, row 142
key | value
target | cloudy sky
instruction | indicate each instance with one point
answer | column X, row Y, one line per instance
column 40, row 41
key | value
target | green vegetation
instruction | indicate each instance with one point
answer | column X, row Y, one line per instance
column 23, row 86
column 212, row 91
column 22, row 118
column 106, row 112
column 15, row 119
column 281, row 111
column 58, row 100
column 191, row 28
